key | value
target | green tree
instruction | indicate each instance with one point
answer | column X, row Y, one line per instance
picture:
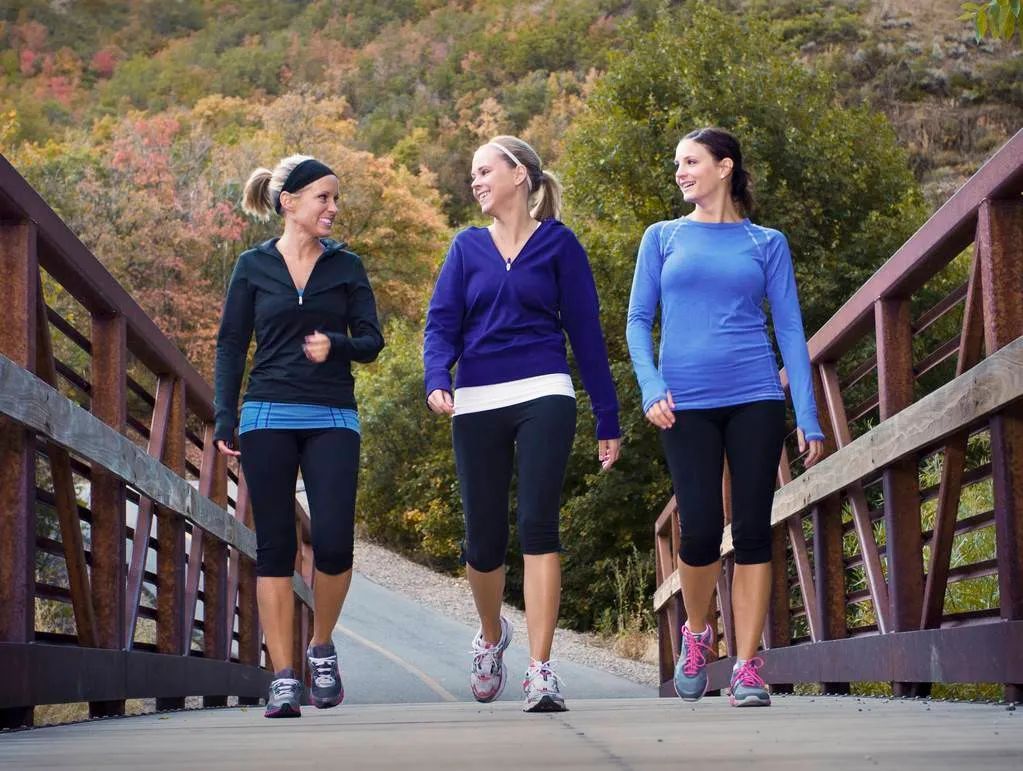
column 832, row 178
column 998, row 18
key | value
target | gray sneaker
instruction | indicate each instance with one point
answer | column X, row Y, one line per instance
column 542, row 689
column 285, row 695
column 327, row 690
column 489, row 674
column 691, row 667
column 748, row 689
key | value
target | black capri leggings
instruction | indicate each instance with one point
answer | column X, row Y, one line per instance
column 329, row 459
column 536, row 436
column 751, row 435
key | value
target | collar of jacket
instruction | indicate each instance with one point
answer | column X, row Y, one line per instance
column 330, row 246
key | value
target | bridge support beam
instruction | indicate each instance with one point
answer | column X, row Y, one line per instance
column 20, row 271
column 109, row 574
column 901, row 480
column 999, row 240
column 173, row 635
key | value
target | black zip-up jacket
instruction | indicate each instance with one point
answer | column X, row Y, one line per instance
column 262, row 298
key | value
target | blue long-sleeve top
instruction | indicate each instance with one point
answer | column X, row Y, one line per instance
column 504, row 322
column 710, row 280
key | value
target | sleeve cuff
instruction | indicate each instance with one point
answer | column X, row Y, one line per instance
column 438, row 379
column 607, row 426
column 813, row 433
column 225, row 431
column 338, row 345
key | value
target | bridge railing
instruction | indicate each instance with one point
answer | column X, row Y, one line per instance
column 899, row 557
column 126, row 554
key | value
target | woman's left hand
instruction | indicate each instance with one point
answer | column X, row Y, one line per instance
column 316, row 347
column 608, row 451
column 816, row 448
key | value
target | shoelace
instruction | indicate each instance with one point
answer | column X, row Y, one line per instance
column 284, row 687
column 484, row 660
column 747, row 674
column 542, row 678
column 324, row 677
column 695, row 656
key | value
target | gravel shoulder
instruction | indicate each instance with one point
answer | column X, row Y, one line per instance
column 451, row 596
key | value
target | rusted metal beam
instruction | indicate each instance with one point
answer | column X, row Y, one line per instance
column 144, row 518
column 65, row 497
column 247, row 608
column 777, row 629
column 18, row 289
column 804, row 576
column 950, row 487
column 107, row 493
column 669, row 618
column 172, row 633
column 217, row 609
column 1000, row 252
column 857, row 499
column 829, row 574
column 828, row 563
column 900, row 480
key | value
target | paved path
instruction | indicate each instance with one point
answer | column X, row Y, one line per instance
column 797, row 733
column 393, row 650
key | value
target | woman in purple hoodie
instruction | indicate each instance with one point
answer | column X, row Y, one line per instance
column 505, row 297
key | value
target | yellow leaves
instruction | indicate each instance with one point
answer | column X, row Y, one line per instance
column 490, row 119
column 8, row 129
column 301, row 122
column 413, row 518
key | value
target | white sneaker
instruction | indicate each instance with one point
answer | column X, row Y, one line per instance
column 489, row 673
column 541, row 688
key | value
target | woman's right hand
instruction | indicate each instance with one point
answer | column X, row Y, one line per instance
column 225, row 449
column 440, row 402
column 661, row 413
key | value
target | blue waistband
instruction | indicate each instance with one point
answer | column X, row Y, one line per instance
column 256, row 415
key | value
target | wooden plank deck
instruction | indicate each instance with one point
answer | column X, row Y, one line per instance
column 798, row 732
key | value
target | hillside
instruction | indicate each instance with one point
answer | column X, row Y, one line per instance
column 425, row 79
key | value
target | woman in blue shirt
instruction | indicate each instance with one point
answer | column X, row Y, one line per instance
column 715, row 392
column 505, row 297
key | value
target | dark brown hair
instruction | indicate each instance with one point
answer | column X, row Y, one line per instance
column 723, row 144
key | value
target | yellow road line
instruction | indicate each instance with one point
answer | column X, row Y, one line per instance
column 428, row 681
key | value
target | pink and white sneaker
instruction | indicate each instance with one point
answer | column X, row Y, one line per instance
column 489, row 673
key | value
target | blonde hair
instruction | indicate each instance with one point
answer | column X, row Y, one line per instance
column 544, row 187
column 264, row 187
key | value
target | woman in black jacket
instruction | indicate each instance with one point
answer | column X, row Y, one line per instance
column 310, row 304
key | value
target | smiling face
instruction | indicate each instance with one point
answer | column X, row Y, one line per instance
column 314, row 207
column 496, row 183
column 698, row 174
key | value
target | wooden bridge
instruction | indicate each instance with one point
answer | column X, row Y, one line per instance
column 922, row 369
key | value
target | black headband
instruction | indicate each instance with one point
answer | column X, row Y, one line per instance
column 306, row 172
